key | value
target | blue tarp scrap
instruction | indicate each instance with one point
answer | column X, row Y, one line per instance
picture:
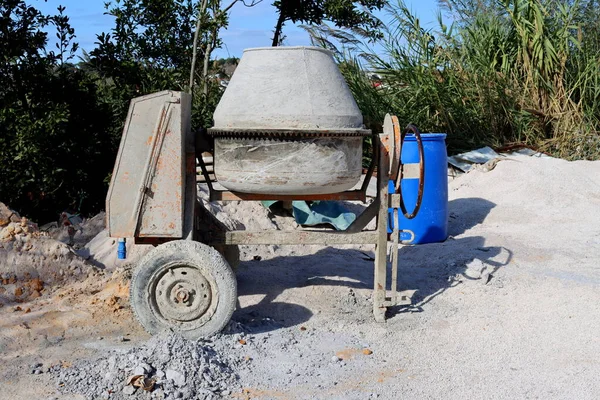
column 320, row 212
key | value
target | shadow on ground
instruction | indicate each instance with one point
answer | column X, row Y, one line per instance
column 428, row 269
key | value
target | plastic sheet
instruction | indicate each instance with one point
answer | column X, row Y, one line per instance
column 300, row 166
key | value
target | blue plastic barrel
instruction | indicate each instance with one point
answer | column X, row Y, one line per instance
column 431, row 223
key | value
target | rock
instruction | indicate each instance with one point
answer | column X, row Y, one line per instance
column 128, row 390
column 7, row 215
column 335, row 359
column 147, row 367
column 175, row 376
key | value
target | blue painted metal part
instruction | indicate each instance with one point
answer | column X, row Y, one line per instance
column 431, row 223
column 122, row 249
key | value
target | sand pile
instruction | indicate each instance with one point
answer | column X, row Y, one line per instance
column 542, row 199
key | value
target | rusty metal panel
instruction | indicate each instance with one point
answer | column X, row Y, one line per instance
column 146, row 195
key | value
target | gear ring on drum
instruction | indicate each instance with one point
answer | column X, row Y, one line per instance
column 285, row 133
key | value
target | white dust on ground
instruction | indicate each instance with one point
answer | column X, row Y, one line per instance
column 508, row 307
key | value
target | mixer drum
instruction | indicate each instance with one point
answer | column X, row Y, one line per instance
column 288, row 124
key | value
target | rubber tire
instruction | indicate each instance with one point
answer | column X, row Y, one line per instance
column 192, row 254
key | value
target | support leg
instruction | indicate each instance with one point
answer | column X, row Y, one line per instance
column 380, row 278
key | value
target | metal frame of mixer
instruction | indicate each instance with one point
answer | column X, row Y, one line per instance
column 387, row 150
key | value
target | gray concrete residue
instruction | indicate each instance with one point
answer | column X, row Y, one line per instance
column 182, row 369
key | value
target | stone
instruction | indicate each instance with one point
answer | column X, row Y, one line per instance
column 6, row 214
column 147, row 367
column 128, row 390
column 175, row 376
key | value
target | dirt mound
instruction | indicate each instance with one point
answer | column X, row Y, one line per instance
column 31, row 260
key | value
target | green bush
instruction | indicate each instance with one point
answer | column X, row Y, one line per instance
column 61, row 123
column 55, row 147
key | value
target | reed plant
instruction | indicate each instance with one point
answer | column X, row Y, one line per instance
column 521, row 72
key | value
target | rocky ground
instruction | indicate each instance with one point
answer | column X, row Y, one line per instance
column 508, row 307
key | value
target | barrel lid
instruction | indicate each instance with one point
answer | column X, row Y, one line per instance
column 434, row 137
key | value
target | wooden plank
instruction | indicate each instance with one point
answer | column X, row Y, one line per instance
column 380, row 273
column 296, row 238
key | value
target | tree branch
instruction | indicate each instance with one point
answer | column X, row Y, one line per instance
column 195, row 50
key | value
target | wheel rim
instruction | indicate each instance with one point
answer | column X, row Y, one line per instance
column 183, row 296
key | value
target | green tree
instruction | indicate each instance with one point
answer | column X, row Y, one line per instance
column 152, row 47
column 355, row 14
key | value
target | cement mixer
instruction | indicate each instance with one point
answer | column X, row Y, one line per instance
column 287, row 128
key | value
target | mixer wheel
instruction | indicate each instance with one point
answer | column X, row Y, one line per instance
column 183, row 286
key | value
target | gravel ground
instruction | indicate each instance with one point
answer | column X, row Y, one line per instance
column 507, row 308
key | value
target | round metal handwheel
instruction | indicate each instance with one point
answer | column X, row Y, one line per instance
column 394, row 142
column 184, row 286
column 415, row 131
column 391, row 127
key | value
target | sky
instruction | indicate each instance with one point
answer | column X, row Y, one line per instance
column 248, row 27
